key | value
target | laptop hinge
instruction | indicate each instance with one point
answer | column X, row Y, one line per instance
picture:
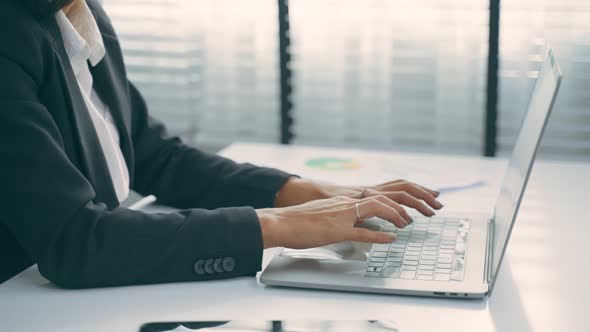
column 487, row 276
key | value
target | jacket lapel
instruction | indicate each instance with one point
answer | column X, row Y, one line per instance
column 94, row 164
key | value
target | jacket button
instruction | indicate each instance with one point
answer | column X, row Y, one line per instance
column 199, row 267
column 229, row 263
column 217, row 265
column 209, row 266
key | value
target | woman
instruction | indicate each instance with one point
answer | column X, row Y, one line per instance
column 76, row 137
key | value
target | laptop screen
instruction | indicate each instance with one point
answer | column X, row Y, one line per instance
column 523, row 155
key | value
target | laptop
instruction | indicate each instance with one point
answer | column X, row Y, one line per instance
column 454, row 255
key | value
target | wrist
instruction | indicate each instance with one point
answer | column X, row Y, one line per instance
column 268, row 228
column 298, row 191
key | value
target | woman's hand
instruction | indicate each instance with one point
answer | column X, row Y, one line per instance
column 298, row 191
column 325, row 221
column 311, row 214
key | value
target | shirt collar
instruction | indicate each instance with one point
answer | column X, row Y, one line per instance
column 82, row 39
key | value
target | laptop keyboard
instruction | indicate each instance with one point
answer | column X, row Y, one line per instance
column 428, row 249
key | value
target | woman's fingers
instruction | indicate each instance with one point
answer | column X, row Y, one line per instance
column 365, row 235
column 386, row 200
column 404, row 198
column 418, row 192
column 372, row 207
column 430, row 191
column 410, row 201
column 428, row 195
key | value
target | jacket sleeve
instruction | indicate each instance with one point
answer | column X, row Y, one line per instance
column 185, row 177
column 50, row 208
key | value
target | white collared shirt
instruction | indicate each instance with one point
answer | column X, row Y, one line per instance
column 83, row 43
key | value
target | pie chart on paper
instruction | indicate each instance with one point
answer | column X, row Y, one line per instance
column 332, row 164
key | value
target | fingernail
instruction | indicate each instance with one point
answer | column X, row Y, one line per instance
column 439, row 205
column 436, row 193
column 411, row 219
column 391, row 237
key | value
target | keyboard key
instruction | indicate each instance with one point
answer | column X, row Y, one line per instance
column 444, row 271
column 460, row 249
column 411, row 263
column 395, row 264
column 379, row 254
column 445, row 256
column 375, row 264
column 412, row 258
column 445, row 260
column 425, row 272
column 373, row 274
column 394, row 259
column 423, row 277
column 443, row 266
column 397, row 254
column 442, row 277
column 428, row 256
column 427, row 262
column 377, row 260
column 409, row 268
column 378, row 269
column 447, row 246
column 407, row 275
column 427, row 267
column 381, row 247
column 391, row 272
column 371, row 269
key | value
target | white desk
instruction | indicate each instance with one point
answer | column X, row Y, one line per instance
column 543, row 284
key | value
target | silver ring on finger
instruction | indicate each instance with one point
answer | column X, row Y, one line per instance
column 356, row 210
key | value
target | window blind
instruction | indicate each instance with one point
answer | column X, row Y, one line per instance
column 376, row 73
column 527, row 27
column 208, row 68
column 389, row 73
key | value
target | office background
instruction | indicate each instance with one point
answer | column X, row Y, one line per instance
column 384, row 74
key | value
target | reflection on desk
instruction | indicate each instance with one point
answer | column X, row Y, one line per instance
column 275, row 326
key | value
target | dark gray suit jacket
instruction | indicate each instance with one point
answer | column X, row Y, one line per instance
column 58, row 207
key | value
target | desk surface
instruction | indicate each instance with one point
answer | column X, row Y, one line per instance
column 542, row 286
